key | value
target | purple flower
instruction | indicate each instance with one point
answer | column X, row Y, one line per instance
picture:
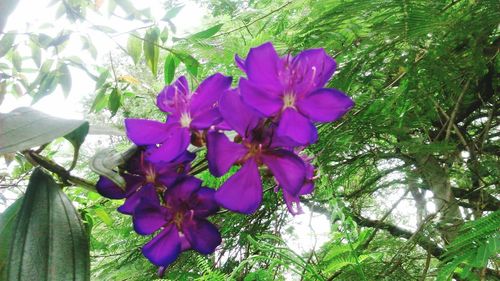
column 293, row 201
column 188, row 111
column 242, row 192
column 182, row 220
column 290, row 89
column 144, row 179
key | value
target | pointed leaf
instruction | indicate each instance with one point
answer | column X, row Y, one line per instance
column 134, row 48
column 172, row 13
column 7, row 225
column 169, row 69
column 114, row 101
column 6, row 43
column 206, row 33
column 25, row 128
column 65, row 79
column 151, row 50
column 50, row 242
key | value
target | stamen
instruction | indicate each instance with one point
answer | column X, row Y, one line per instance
column 289, row 100
column 185, row 120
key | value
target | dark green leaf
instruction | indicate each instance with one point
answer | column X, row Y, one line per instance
column 189, row 61
column 25, row 128
column 172, row 13
column 76, row 138
column 169, row 69
column 50, row 242
column 6, row 43
column 65, row 79
column 134, row 48
column 114, row 101
column 151, row 50
column 206, row 33
column 7, row 225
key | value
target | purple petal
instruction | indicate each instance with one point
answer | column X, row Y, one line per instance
column 292, row 203
column 325, row 105
column 133, row 183
column 175, row 144
column 183, row 190
column 164, row 248
column 222, row 153
column 147, row 192
column 109, row 189
column 148, row 217
column 297, row 127
column 144, row 132
column 263, row 66
column 240, row 63
column 205, row 119
column 314, row 67
column 174, row 98
column 202, row 235
column 242, row 192
column 264, row 101
column 288, row 169
column 208, row 93
column 241, row 117
column 205, row 203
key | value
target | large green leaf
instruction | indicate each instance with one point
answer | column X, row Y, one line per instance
column 207, row 33
column 7, row 225
column 114, row 101
column 6, row 43
column 151, row 49
column 50, row 242
column 25, row 128
column 134, row 48
column 189, row 61
column 171, row 63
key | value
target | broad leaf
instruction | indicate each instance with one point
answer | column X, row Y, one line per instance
column 114, row 101
column 206, row 33
column 169, row 69
column 189, row 61
column 134, row 48
column 65, row 79
column 7, row 225
column 25, row 128
column 6, row 43
column 76, row 138
column 172, row 13
column 151, row 50
column 50, row 242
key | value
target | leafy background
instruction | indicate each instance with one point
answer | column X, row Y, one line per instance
column 408, row 180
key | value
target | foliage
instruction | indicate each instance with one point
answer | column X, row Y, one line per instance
column 423, row 74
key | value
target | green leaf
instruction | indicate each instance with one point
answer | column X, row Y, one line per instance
column 114, row 101
column 103, row 215
column 76, row 138
column 6, row 43
column 169, row 69
column 172, row 13
column 101, row 79
column 206, row 33
column 7, row 225
column 134, row 48
column 50, row 242
column 47, row 85
column 36, row 53
column 6, row 8
column 100, row 100
column 25, row 128
column 164, row 35
column 151, row 50
column 189, row 61
column 17, row 61
column 65, row 79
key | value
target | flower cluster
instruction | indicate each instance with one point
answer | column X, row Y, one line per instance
column 265, row 122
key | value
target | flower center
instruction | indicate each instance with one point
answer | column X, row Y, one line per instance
column 178, row 218
column 150, row 176
column 185, row 120
column 289, row 100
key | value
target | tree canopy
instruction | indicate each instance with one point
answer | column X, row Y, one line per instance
column 407, row 179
